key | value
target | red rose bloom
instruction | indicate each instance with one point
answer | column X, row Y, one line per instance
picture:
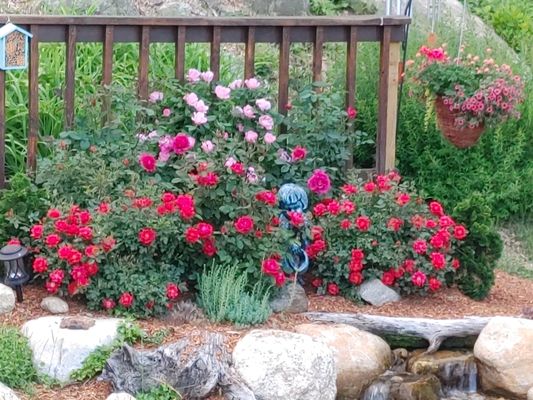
column 266, row 197
column 280, row 279
column 355, row 265
column 172, row 291
column 270, row 266
column 394, row 224
column 319, row 182
column 383, row 183
column 430, row 224
column 51, row 287
column 74, row 257
column 349, row 189
column 320, row 209
column 53, row 213
column 168, row 197
column 333, row 207
column 148, row 162
column 296, row 219
column 204, row 229
column 352, row 112
column 345, row 224
column 91, row 251
column 104, row 208
column 192, row 235
column 64, row 252
column 434, row 284
column 36, row 231
column 298, row 153
column 363, row 223
column 85, row 217
column 86, row 233
column 108, row 304
column 52, row 240
column 147, row 236
column 357, row 254
column 209, row 248
column 409, row 265
column 126, row 299
column 142, row 202
column 388, row 278
column 40, row 265
column 418, row 279
column 317, row 232
column 402, row 199
column 238, row 168
column 317, row 282
column 333, row 289
column 417, row 221
column 108, row 243
column 356, row 278
column 13, row 241
column 244, row 224
column 369, row 187
column 435, row 208
column 181, row 143
column 210, row 179
column 438, row 260
column 459, row 232
column 57, row 276
column 347, row 207
column 91, row 268
column 456, row 263
column 420, row 246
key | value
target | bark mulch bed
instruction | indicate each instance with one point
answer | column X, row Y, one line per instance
column 511, row 296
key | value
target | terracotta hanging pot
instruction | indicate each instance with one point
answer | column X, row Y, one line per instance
column 461, row 137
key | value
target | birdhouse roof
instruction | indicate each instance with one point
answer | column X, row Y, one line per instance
column 10, row 28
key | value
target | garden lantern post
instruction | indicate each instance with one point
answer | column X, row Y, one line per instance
column 13, row 257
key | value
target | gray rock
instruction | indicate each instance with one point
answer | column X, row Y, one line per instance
column 280, row 365
column 6, row 393
column 175, row 8
column 291, row 298
column 57, row 352
column 77, row 323
column 280, row 7
column 54, row 305
column 377, row 293
column 120, row 396
column 7, row 299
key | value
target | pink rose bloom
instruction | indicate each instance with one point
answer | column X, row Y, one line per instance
column 266, row 122
column 248, row 111
column 201, row 107
column 240, row 127
column 182, row 143
column 191, row 99
column 225, row 135
column 155, row 97
column 319, row 182
column 229, row 162
column 207, row 76
column 163, row 156
column 166, row 144
column 167, row 112
column 208, row 146
column 148, row 162
column 270, row 138
column 235, row 84
column 251, row 176
column 142, row 137
column 263, row 104
column 199, row 118
column 222, row 92
column 193, row 75
column 252, row 83
column 250, row 136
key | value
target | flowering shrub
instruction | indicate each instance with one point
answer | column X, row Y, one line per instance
column 480, row 91
column 382, row 229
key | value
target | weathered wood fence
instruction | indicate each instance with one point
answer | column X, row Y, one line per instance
column 388, row 31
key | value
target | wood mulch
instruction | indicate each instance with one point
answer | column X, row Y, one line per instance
column 510, row 295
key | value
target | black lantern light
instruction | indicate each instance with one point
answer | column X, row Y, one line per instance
column 13, row 256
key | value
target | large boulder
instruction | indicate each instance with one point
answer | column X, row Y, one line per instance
column 6, row 393
column 57, row 351
column 504, row 352
column 7, row 299
column 360, row 357
column 280, row 365
column 120, row 396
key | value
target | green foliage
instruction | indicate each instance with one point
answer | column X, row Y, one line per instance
column 16, row 367
column 331, row 7
column 22, row 204
column 224, row 294
column 128, row 332
column 481, row 249
column 162, row 392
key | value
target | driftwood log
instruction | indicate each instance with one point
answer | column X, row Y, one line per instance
column 435, row 331
column 194, row 372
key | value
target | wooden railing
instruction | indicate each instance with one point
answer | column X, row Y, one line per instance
column 389, row 31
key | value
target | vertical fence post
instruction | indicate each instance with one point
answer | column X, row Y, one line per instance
column 214, row 63
column 107, row 72
column 144, row 56
column 2, row 129
column 388, row 103
column 283, row 79
column 70, row 72
column 351, row 67
column 249, row 57
column 33, row 81
column 180, row 53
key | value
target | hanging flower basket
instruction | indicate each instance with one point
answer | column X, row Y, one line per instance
column 460, row 136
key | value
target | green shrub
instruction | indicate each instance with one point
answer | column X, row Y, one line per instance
column 162, row 392
column 481, row 249
column 224, row 295
column 21, row 204
column 16, row 367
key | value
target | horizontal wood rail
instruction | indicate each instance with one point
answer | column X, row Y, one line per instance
column 282, row 31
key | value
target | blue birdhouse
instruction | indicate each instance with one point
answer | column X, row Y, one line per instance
column 13, row 47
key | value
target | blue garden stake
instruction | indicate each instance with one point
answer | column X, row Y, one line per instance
column 292, row 197
column 13, row 47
